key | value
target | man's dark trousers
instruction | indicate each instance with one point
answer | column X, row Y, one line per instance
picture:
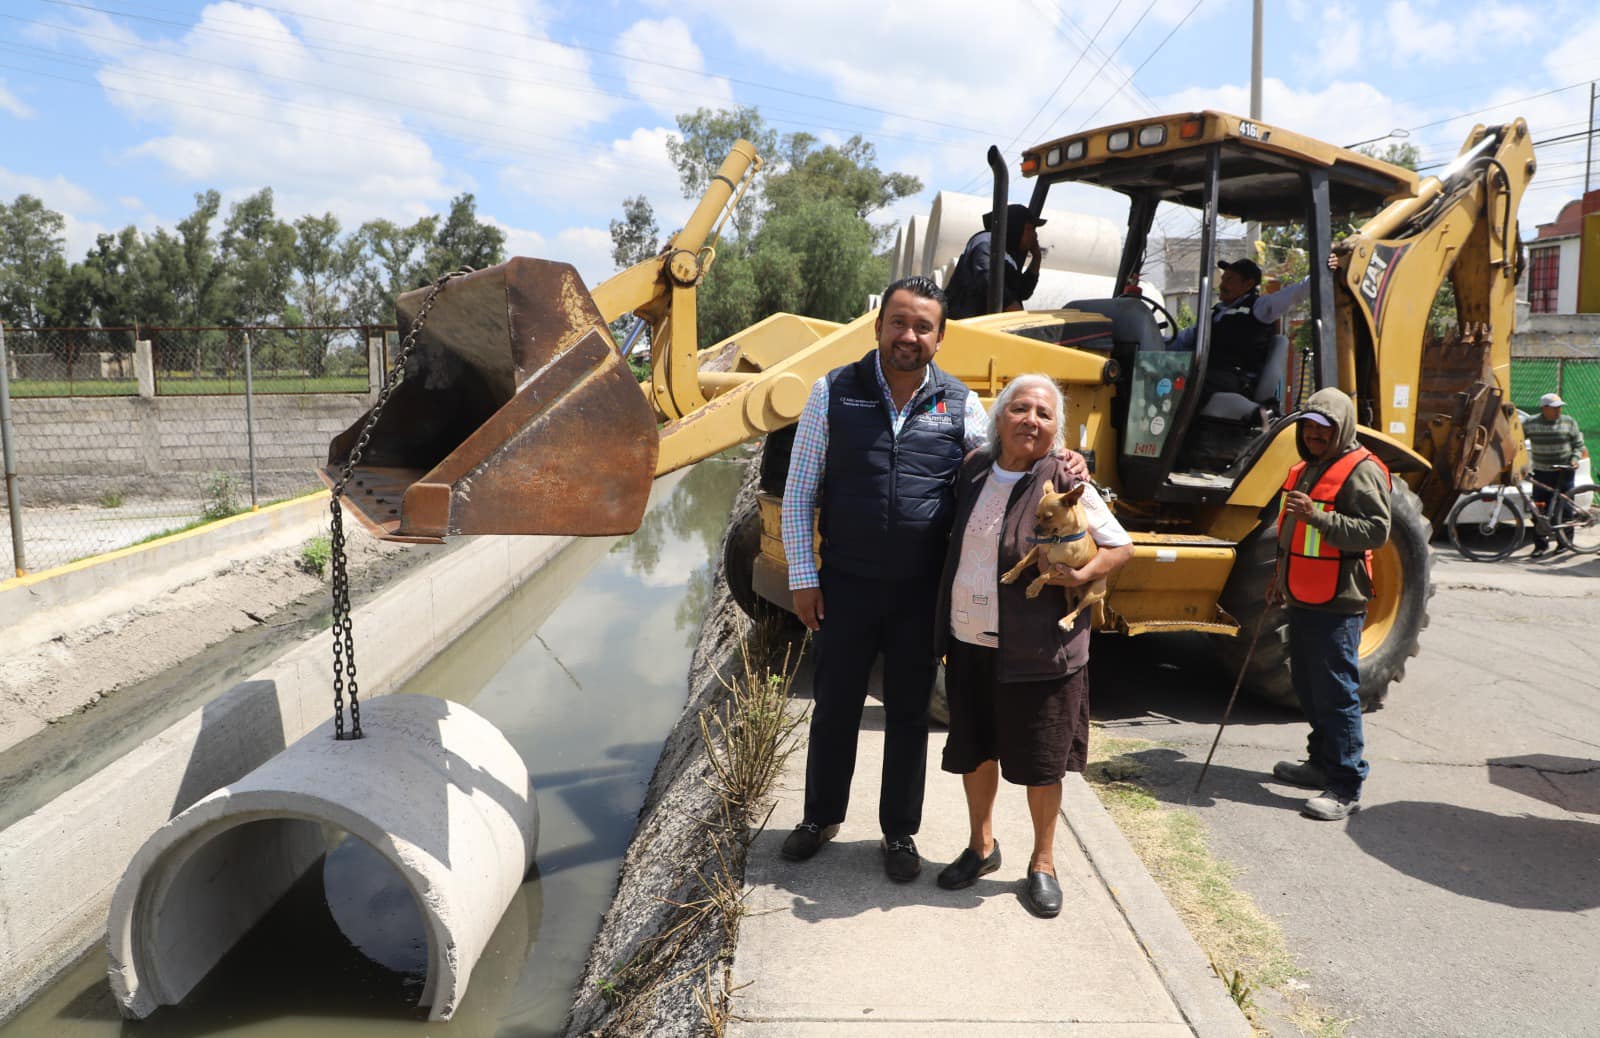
column 1324, row 667
column 862, row 617
column 1547, row 483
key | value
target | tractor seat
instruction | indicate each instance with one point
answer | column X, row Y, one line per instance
column 1269, row 389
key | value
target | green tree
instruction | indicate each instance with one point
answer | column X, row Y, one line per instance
column 805, row 243
column 324, row 282
column 257, row 253
column 462, row 240
column 32, row 250
column 392, row 262
column 635, row 237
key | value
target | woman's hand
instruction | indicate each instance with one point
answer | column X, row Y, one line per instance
column 1076, row 465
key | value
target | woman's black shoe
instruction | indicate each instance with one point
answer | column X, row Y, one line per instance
column 1043, row 895
column 965, row 870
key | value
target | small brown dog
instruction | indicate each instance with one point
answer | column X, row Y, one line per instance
column 1061, row 535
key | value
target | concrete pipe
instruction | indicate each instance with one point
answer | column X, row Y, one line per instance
column 897, row 258
column 432, row 787
column 911, row 259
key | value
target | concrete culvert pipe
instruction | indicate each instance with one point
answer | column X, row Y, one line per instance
column 432, row 787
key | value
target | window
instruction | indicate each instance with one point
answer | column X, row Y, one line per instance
column 1544, row 277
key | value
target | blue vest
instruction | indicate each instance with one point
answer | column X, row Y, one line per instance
column 887, row 502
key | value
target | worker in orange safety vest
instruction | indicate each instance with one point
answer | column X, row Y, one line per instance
column 1335, row 512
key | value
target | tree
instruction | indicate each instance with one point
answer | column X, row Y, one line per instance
column 805, row 244
column 635, row 237
column 257, row 251
column 462, row 240
column 32, row 248
column 325, row 271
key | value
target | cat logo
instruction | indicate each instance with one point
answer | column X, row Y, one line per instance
column 1373, row 278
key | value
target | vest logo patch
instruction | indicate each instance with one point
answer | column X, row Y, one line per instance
column 850, row 401
column 935, row 407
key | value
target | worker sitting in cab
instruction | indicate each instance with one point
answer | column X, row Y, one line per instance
column 1243, row 322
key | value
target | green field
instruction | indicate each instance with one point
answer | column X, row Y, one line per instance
column 187, row 385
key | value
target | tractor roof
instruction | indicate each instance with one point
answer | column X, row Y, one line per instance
column 1261, row 165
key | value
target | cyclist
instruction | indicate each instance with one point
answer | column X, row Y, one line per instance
column 1557, row 447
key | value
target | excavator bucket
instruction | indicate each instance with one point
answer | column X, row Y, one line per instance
column 517, row 414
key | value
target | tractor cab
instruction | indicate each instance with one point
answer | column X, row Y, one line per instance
column 1179, row 441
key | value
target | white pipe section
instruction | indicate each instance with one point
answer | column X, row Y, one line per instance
column 434, row 788
column 1071, row 241
column 912, row 262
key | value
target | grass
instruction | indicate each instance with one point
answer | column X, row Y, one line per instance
column 1245, row 945
column 110, row 499
column 315, row 555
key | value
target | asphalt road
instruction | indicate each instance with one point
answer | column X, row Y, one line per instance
column 1464, row 898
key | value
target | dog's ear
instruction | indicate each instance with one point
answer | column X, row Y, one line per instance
column 1071, row 496
column 1049, row 487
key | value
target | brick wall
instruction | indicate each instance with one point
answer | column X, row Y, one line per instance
column 71, row 449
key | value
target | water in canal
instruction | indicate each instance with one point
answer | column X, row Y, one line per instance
column 583, row 670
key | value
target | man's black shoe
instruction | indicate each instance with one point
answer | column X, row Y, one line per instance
column 807, row 839
column 1043, row 895
column 900, row 858
column 1538, row 550
column 965, row 870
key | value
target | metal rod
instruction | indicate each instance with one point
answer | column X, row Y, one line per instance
column 250, row 419
column 13, row 493
column 1228, row 711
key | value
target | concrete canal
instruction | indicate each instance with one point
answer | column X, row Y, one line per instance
column 583, row 669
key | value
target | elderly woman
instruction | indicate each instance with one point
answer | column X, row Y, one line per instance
column 1018, row 684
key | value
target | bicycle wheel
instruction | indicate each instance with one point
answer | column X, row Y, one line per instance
column 1580, row 529
column 1486, row 526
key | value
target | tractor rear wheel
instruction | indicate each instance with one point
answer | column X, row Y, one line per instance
column 1396, row 616
column 739, row 551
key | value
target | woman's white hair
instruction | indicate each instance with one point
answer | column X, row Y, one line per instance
column 1012, row 388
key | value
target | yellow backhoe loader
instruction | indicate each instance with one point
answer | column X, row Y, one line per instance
column 518, row 414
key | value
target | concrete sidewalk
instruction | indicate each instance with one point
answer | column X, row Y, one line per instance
column 832, row 946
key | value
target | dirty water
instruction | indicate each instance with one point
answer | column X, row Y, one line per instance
column 583, row 669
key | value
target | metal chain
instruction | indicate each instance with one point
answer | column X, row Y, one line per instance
column 344, row 648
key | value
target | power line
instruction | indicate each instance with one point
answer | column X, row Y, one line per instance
column 1147, row 60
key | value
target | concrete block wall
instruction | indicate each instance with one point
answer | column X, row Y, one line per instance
column 75, row 448
column 1557, row 335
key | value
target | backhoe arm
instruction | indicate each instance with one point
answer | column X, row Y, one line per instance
column 1449, row 396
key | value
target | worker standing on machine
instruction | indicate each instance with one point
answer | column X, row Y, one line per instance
column 968, row 293
column 1335, row 514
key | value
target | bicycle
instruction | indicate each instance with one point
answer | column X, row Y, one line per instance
column 1507, row 512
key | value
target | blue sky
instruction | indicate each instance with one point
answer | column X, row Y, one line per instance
column 551, row 112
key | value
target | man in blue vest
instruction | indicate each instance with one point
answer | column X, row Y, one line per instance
column 881, row 440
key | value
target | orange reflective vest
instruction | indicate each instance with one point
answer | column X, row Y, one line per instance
column 1313, row 564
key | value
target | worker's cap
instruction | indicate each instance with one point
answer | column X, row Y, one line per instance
column 1242, row 267
column 1315, row 416
column 1552, row 400
column 1016, row 216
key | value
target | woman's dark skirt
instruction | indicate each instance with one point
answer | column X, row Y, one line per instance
column 1037, row 730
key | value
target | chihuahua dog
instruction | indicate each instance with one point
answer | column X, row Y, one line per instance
column 1061, row 535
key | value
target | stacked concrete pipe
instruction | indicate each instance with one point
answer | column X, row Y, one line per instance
column 434, row 788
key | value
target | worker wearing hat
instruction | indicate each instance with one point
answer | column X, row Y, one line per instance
column 968, row 289
column 1556, row 444
column 1335, row 514
column 1243, row 322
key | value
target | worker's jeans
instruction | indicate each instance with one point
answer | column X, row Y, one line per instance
column 862, row 617
column 1559, row 481
column 1323, row 667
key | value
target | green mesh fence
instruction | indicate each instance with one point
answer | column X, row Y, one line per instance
column 1577, row 380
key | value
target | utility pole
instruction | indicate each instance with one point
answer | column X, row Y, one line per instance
column 1588, row 144
column 1252, row 230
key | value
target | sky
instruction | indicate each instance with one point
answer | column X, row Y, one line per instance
column 551, row 112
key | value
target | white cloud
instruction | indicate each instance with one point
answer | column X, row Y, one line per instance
column 1338, row 39
column 1443, row 33
column 634, row 165
column 650, row 45
column 9, row 102
column 56, row 192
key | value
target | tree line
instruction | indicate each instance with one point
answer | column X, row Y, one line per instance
column 248, row 267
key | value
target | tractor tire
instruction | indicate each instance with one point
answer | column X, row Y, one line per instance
column 775, row 451
column 739, row 551
column 1396, row 616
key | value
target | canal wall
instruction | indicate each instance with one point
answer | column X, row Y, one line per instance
column 60, row 864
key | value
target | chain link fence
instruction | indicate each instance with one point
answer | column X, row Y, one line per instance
column 1576, row 379
column 119, row 435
